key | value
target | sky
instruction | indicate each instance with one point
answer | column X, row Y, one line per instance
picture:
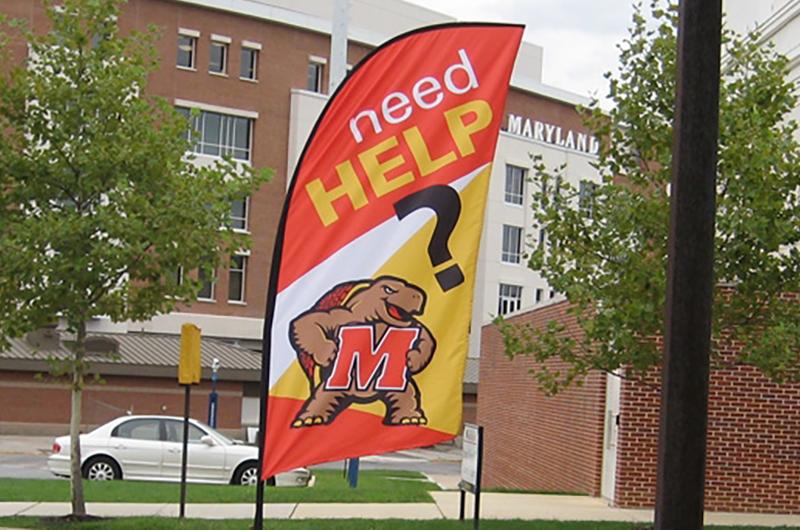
column 579, row 37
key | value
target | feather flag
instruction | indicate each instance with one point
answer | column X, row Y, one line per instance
column 370, row 300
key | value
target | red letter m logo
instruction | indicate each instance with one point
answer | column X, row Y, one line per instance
column 385, row 364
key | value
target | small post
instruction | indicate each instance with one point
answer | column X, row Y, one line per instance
column 212, row 397
column 352, row 472
column 188, row 374
column 184, row 450
column 462, row 504
column 476, row 514
column 471, row 471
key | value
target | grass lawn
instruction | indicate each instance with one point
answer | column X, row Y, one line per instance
column 330, row 486
column 154, row 523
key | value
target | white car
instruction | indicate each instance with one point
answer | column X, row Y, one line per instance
column 150, row 447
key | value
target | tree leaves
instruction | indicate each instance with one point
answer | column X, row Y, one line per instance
column 612, row 266
column 101, row 205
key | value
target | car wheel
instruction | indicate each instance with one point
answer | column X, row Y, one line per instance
column 101, row 468
column 246, row 474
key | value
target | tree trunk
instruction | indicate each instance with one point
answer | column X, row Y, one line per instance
column 76, row 479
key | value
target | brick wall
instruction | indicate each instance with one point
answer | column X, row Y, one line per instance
column 540, row 443
column 753, row 455
column 470, row 408
column 28, row 400
column 533, row 441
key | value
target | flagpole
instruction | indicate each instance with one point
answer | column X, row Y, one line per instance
column 258, row 521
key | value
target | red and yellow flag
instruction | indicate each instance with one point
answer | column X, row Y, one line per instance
column 368, row 316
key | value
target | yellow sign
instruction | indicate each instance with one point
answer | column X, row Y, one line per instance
column 189, row 366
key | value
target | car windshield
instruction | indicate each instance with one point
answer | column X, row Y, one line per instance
column 216, row 432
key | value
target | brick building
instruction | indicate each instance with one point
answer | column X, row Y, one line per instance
column 138, row 375
column 601, row 438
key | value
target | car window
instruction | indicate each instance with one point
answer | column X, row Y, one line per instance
column 175, row 432
column 208, row 428
column 143, row 429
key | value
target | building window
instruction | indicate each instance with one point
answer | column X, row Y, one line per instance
column 187, row 51
column 552, row 294
column 314, row 79
column 512, row 244
column 539, row 294
column 515, row 184
column 248, row 64
column 236, row 276
column 218, row 58
column 510, row 298
column 239, row 214
column 586, row 192
column 552, row 190
column 207, row 282
column 220, row 134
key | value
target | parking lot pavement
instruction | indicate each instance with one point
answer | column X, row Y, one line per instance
column 24, row 466
column 440, row 460
column 25, row 456
column 25, row 445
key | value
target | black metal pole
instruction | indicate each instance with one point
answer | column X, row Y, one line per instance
column 690, row 281
column 476, row 515
column 462, row 502
column 184, row 451
column 258, row 520
column 478, row 477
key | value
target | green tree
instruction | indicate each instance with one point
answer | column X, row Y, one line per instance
column 607, row 252
column 100, row 205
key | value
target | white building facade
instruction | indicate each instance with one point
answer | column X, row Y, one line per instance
column 778, row 22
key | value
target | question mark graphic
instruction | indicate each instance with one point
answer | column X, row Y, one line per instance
column 446, row 203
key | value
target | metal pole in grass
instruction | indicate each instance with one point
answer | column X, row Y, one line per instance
column 352, row 472
column 184, row 451
column 258, row 519
column 189, row 372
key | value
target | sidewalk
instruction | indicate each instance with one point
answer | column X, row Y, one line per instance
column 446, row 506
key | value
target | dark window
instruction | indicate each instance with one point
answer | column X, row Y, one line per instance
column 239, row 214
column 220, row 134
column 249, row 63
column 515, row 184
column 314, row 80
column 512, row 244
column 175, row 432
column 207, row 285
column 187, row 48
column 141, row 429
column 218, row 58
column 586, row 193
column 510, row 299
column 236, row 276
